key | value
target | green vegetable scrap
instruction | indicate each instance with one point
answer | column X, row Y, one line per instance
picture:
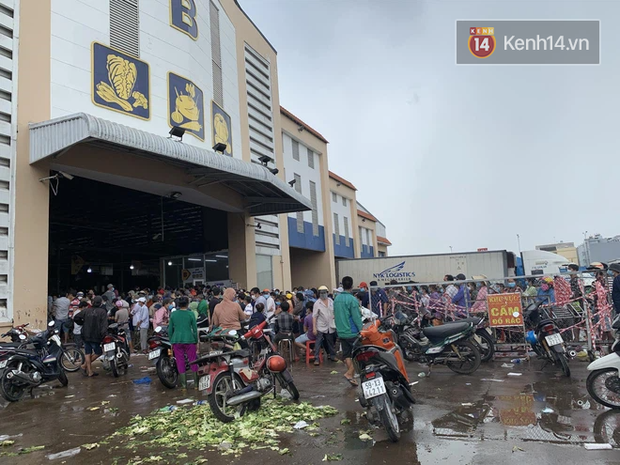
column 195, row 428
column 332, row 458
column 346, row 421
column 90, row 446
column 7, row 443
column 333, row 372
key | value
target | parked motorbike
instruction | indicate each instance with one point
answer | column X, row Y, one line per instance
column 116, row 351
column 72, row 357
column 23, row 369
column 160, row 351
column 448, row 344
column 236, row 380
column 483, row 337
column 384, row 385
column 545, row 337
column 603, row 383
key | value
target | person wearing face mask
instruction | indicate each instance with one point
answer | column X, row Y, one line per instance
column 363, row 294
column 324, row 326
column 511, row 286
column 531, row 290
column 546, row 294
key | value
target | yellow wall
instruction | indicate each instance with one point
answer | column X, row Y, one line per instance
column 31, row 196
column 246, row 32
column 570, row 253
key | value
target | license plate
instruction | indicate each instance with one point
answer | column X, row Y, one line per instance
column 154, row 354
column 373, row 388
column 3, row 363
column 215, row 352
column 554, row 340
column 204, row 382
column 109, row 347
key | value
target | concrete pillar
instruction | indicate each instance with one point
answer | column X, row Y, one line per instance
column 241, row 250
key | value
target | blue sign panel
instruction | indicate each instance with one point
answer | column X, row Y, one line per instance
column 221, row 128
column 120, row 82
column 186, row 106
column 183, row 17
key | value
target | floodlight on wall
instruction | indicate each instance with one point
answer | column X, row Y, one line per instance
column 169, row 263
column 89, row 270
column 265, row 159
column 274, row 171
column 177, row 132
column 131, row 267
column 56, row 177
column 220, row 147
column 257, row 226
column 292, row 182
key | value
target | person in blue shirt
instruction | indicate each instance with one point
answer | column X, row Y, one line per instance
column 379, row 300
column 546, row 294
column 461, row 298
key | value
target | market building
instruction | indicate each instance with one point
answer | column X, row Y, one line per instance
column 143, row 144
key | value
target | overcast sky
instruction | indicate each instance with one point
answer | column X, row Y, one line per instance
column 447, row 155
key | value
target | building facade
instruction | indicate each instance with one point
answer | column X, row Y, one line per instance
column 565, row 249
column 597, row 248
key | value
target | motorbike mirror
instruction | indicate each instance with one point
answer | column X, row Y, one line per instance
column 158, row 329
column 51, row 323
column 22, row 337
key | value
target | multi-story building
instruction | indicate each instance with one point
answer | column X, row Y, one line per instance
column 565, row 249
column 597, row 248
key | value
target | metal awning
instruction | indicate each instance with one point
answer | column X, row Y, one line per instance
column 264, row 193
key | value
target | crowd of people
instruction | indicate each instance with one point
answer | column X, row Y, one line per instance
column 311, row 318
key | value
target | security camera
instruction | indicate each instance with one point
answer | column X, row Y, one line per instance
column 66, row 175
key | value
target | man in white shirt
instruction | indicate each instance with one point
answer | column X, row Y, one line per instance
column 270, row 308
column 140, row 315
column 324, row 325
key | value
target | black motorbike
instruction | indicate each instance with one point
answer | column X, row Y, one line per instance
column 116, row 351
column 22, row 369
column 545, row 338
column 483, row 337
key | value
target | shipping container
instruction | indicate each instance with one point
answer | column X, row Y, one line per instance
column 427, row 268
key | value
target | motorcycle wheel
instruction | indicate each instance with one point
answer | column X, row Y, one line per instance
column 62, row 376
column 114, row 368
column 486, row 345
column 167, row 372
column 10, row 390
column 388, row 417
column 607, row 428
column 598, row 386
column 471, row 356
column 290, row 387
column 223, row 386
column 72, row 359
column 561, row 358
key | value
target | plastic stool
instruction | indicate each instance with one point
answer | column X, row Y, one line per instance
column 310, row 352
column 290, row 347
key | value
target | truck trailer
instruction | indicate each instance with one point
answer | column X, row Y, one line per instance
column 427, row 268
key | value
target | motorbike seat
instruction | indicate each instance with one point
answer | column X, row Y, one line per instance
column 203, row 320
column 473, row 319
column 437, row 333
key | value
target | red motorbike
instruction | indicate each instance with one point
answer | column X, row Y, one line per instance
column 236, row 380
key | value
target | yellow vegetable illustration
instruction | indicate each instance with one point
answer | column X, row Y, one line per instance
column 186, row 107
column 122, row 75
column 221, row 130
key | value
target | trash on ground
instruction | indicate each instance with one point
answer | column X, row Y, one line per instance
column 92, row 409
column 65, row 454
column 515, row 374
column 421, row 375
column 185, row 401
column 145, row 380
column 333, row 372
column 508, row 365
column 365, row 437
column 69, row 397
column 301, row 425
column 493, row 380
column 283, row 451
column 515, row 449
column 547, row 410
column 90, row 446
column 332, row 457
column 414, row 383
column 345, row 421
column 7, row 443
column 597, row 446
column 467, row 404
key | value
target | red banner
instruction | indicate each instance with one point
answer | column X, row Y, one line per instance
column 505, row 309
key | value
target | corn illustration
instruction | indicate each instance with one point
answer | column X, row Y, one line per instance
column 186, row 108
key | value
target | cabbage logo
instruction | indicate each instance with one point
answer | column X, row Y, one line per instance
column 395, row 272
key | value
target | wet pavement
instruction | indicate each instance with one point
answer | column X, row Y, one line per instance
column 489, row 417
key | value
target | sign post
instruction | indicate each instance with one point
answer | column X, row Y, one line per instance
column 506, row 310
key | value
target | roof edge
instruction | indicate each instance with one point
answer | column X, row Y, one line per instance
column 383, row 240
column 342, row 180
column 368, row 216
column 255, row 26
column 300, row 122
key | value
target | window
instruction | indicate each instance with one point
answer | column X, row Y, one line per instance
column 346, row 230
column 125, row 26
column 264, row 271
column 310, row 159
column 382, row 254
column 295, row 150
column 334, row 197
column 361, row 239
column 344, row 201
column 300, row 215
column 315, row 209
column 336, row 229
